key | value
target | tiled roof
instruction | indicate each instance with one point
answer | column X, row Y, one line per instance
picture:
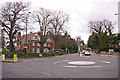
column 19, row 47
column 29, row 36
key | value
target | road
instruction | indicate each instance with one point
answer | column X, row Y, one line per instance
column 0, row 68
column 63, row 67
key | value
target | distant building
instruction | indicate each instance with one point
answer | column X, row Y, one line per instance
column 33, row 45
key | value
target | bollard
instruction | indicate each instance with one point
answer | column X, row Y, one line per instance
column 80, row 54
column 3, row 57
column 15, row 57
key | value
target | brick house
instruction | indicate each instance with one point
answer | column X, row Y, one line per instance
column 32, row 43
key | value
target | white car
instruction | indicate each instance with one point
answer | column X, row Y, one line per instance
column 87, row 53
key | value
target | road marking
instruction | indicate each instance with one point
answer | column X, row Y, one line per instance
column 66, row 60
column 81, row 62
column 61, row 61
column 26, row 60
column 90, row 66
column 56, row 62
column 106, row 62
column 110, row 55
column 83, row 66
column 71, row 66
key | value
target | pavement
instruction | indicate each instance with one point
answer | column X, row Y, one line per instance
column 65, row 66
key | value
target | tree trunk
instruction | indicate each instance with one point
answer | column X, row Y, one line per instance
column 55, row 39
column 42, row 47
column 11, row 46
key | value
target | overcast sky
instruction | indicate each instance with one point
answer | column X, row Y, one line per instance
column 80, row 11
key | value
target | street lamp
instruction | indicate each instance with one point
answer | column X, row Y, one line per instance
column 26, row 28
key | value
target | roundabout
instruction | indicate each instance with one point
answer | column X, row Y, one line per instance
column 80, row 63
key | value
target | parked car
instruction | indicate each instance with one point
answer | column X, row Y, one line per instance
column 87, row 53
column 83, row 52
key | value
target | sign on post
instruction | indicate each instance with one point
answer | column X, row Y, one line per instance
column 15, row 57
column 80, row 54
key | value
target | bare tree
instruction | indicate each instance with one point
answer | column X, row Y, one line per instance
column 101, row 26
column 12, row 15
column 43, row 18
column 58, row 24
column 103, row 30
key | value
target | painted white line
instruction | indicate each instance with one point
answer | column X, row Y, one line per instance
column 90, row 66
column 56, row 62
column 106, row 62
column 106, row 55
column 71, row 66
column 83, row 66
column 26, row 60
column 81, row 62
column 61, row 61
column 66, row 60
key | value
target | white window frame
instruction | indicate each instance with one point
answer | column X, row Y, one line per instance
column 33, row 43
column 33, row 50
column 38, row 50
column 38, row 44
column 48, row 44
column 45, row 44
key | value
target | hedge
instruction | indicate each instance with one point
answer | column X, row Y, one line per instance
column 25, row 55
column 28, row 55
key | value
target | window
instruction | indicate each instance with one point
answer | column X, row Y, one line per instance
column 38, row 44
column 38, row 50
column 48, row 44
column 33, row 43
column 33, row 50
column 45, row 44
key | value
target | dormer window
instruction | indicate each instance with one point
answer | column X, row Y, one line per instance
column 36, row 37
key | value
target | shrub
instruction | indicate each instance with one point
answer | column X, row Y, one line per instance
column 46, row 54
column 27, row 55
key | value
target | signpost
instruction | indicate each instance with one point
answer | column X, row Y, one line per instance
column 15, row 57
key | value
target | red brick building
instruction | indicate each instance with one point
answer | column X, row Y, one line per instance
column 32, row 43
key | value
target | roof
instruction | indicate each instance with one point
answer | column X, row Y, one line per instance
column 29, row 36
column 19, row 47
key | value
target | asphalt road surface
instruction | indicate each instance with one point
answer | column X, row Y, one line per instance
column 0, row 68
column 65, row 66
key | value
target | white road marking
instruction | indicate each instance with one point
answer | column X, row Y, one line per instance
column 81, row 62
column 26, row 60
column 56, row 62
column 83, row 66
column 71, row 66
column 66, row 60
column 90, row 66
column 61, row 61
column 106, row 62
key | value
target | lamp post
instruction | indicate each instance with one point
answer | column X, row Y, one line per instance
column 26, row 28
